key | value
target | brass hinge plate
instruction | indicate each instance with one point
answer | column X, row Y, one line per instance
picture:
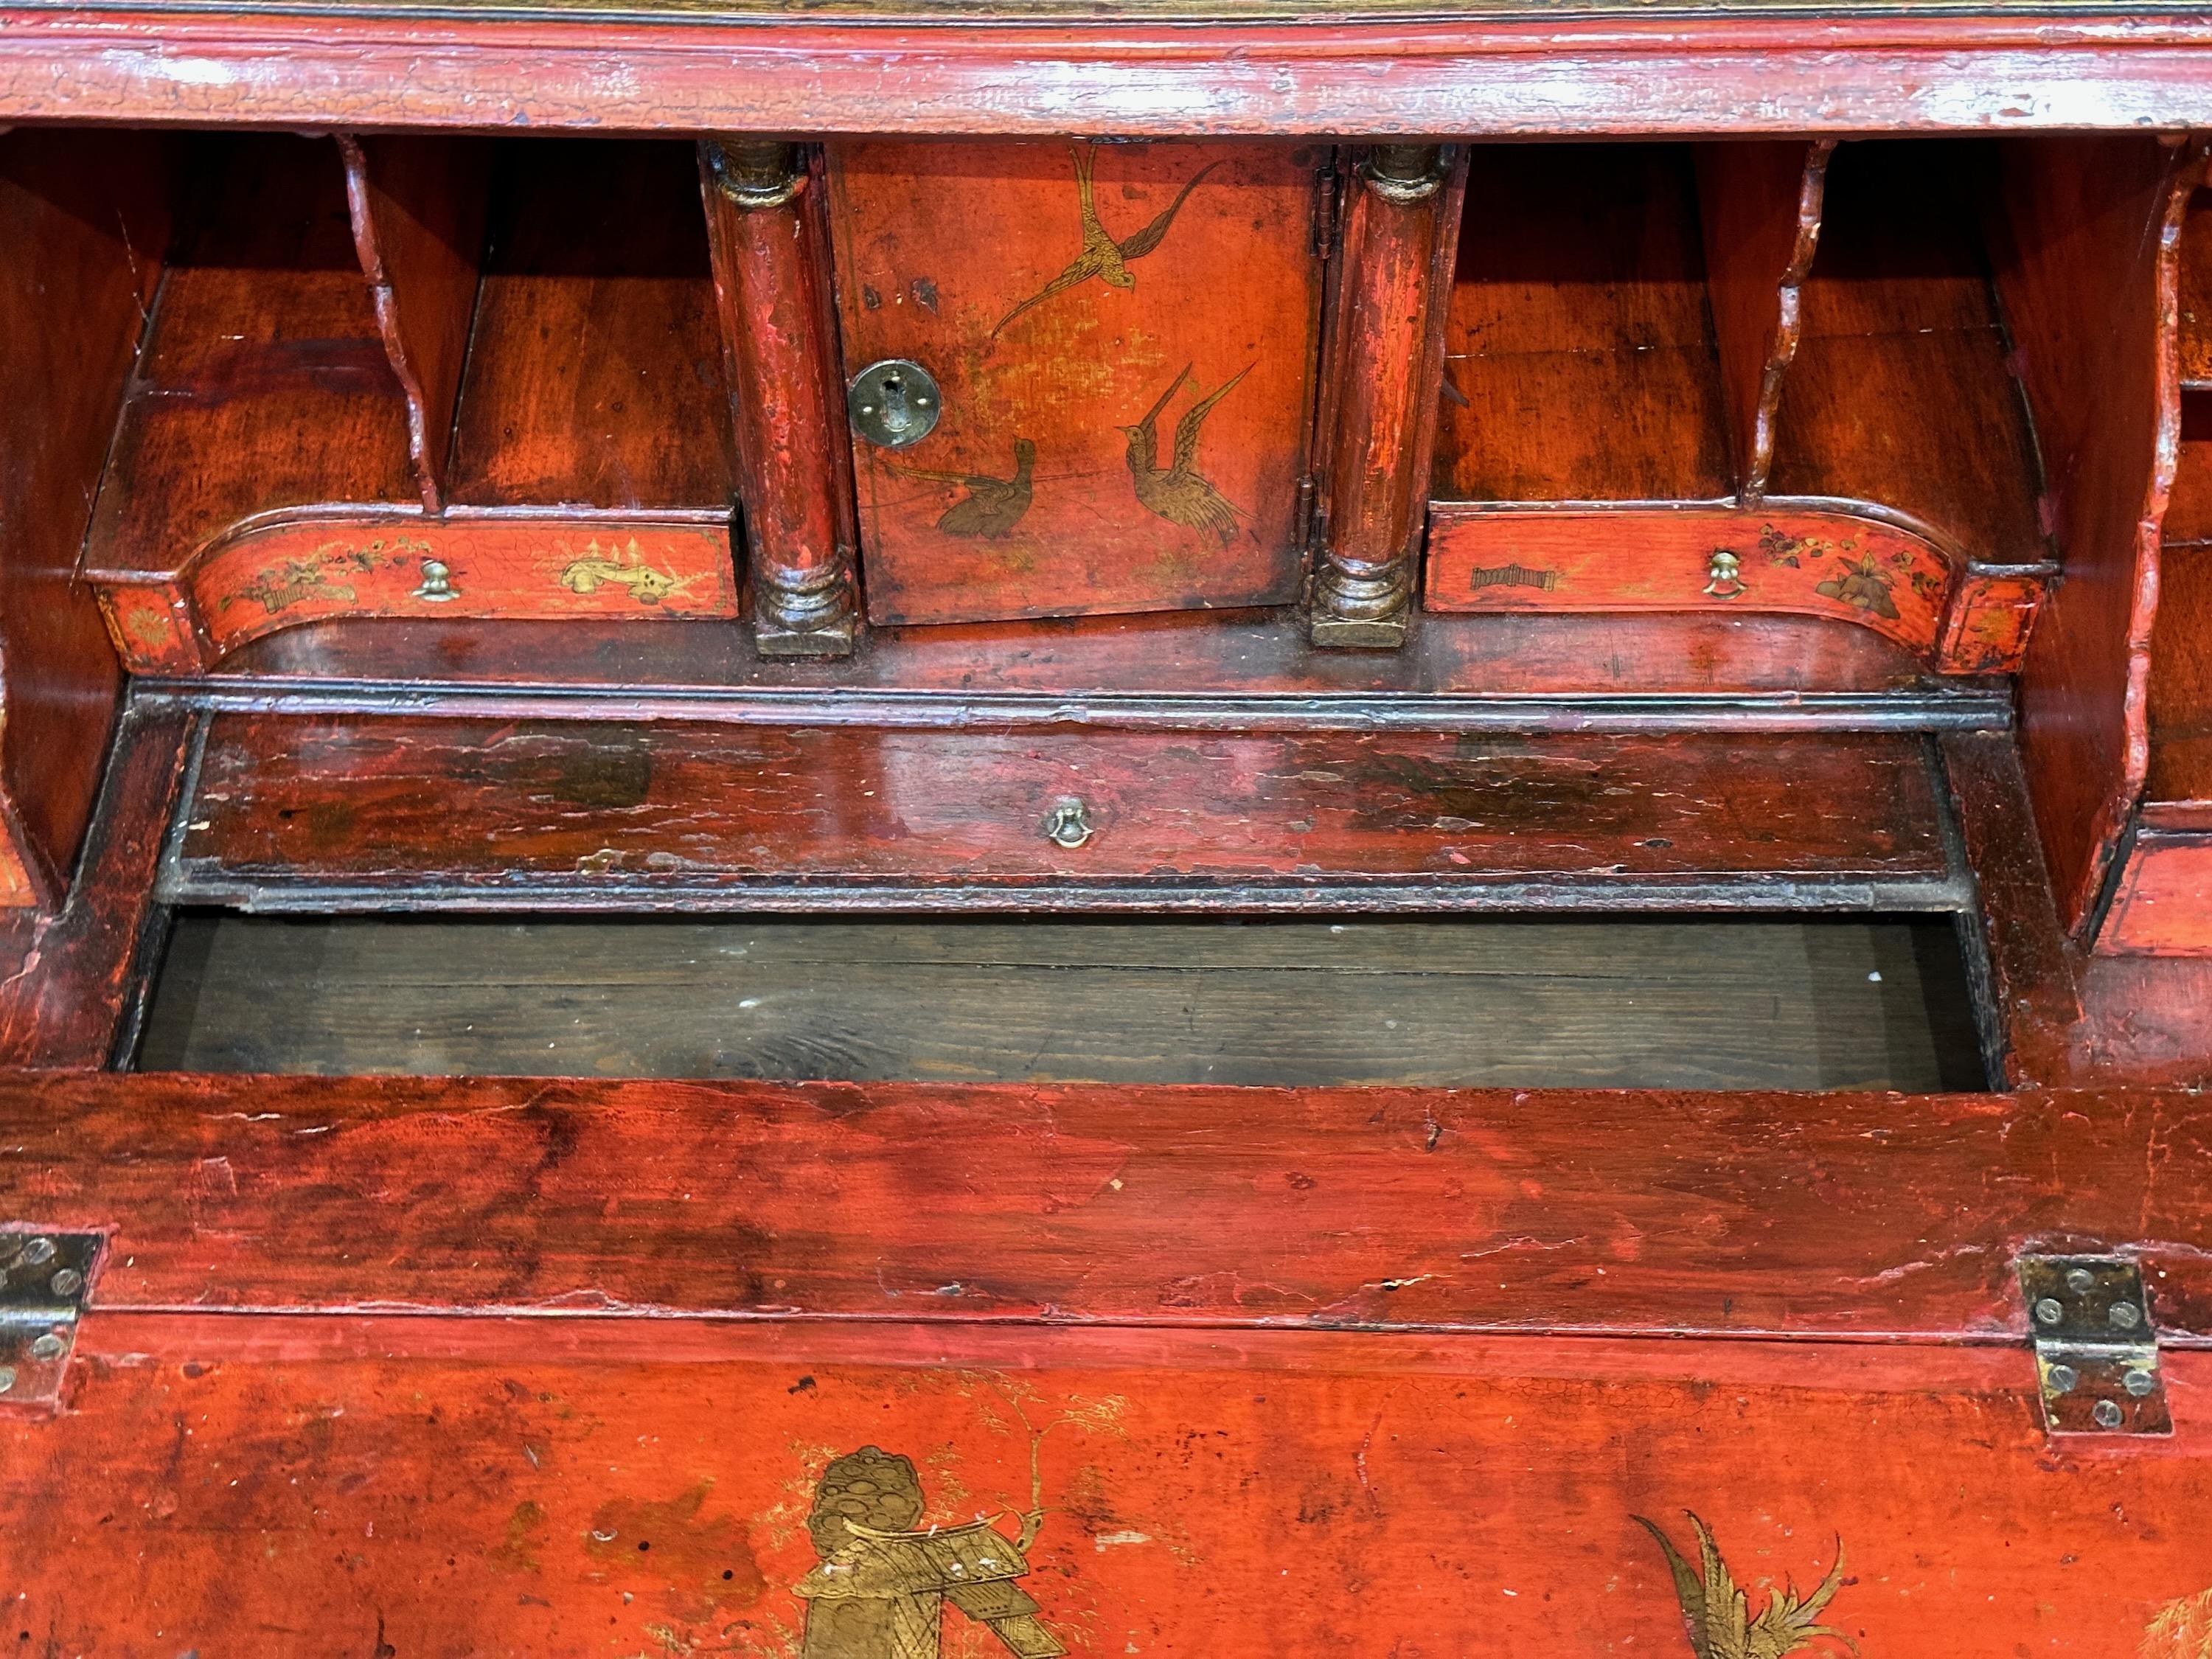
column 43, row 1275
column 2096, row 1350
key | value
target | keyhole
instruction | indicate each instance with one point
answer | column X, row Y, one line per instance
column 895, row 403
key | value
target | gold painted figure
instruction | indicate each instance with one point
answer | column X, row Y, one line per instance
column 880, row 1589
column 992, row 507
column 1103, row 256
column 1717, row 1614
column 1179, row 493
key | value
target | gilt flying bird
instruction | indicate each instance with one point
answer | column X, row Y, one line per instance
column 1179, row 493
column 1103, row 256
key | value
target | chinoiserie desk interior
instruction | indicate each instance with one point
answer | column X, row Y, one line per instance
column 1201, row 829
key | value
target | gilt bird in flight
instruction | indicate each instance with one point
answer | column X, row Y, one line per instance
column 1103, row 256
column 992, row 507
column 1179, row 493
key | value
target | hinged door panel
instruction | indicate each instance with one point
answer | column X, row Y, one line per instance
column 1123, row 340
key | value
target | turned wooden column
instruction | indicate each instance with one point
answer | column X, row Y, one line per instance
column 1388, row 364
column 771, row 279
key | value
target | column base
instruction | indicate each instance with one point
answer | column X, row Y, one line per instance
column 1359, row 633
column 833, row 637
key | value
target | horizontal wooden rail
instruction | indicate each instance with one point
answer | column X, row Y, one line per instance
column 1758, row 1214
column 549, row 66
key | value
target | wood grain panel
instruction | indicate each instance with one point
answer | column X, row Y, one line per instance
column 83, row 231
column 265, row 383
column 595, row 372
column 1502, row 71
column 2179, row 704
column 1729, row 1213
column 2163, row 904
column 1580, row 362
column 1207, row 317
column 478, row 809
column 2088, row 272
column 1768, row 1003
column 1902, row 390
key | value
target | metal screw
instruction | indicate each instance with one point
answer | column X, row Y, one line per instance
column 2062, row 1378
column 68, row 1282
column 2081, row 1281
column 48, row 1346
column 2139, row 1382
column 2125, row 1315
column 38, row 1251
column 2107, row 1413
column 2048, row 1311
column 7, row 1378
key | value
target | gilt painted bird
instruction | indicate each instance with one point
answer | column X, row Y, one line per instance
column 992, row 507
column 1103, row 256
column 1179, row 493
column 1716, row 1614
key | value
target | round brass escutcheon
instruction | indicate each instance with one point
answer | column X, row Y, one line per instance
column 894, row 402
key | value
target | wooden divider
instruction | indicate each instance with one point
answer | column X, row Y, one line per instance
column 1760, row 207
column 2089, row 277
column 83, row 231
column 418, row 206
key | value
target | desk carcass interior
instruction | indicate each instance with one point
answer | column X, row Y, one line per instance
column 399, row 518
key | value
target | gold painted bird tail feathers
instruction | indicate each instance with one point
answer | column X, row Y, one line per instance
column 1716, row 1612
